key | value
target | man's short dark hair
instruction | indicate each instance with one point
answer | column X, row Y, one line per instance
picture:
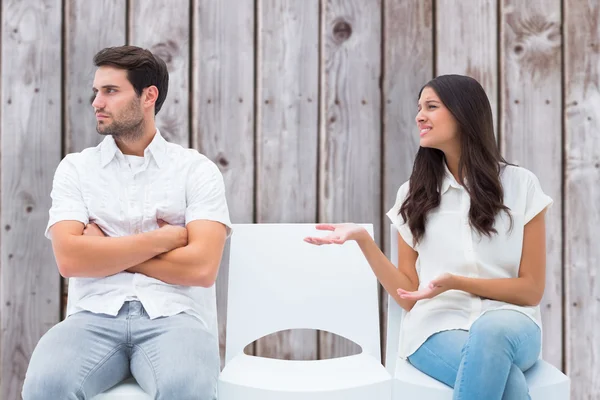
column 143, row 68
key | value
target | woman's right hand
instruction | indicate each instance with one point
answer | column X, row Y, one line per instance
column 340, row 233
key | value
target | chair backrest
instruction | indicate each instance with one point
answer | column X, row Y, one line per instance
column 395, row 313
column 277, row 282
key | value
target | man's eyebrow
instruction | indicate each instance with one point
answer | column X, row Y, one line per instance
column 105, row 87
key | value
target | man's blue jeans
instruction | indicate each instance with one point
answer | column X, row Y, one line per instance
column 486, row 362
column 171, row 357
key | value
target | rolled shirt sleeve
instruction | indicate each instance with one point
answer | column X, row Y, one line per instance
column 67, row 199
column 205, row 194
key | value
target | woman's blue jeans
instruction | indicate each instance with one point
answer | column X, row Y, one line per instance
column 486, row 362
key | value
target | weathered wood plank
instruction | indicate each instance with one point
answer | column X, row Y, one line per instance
column 163, row 27
column 466, row 43
column 408, row 30
column 287, row 135
column 223, row 111
column 531, row 130
column 31, row 150
column 582, row 196
column 350, row 162
column 86, row 34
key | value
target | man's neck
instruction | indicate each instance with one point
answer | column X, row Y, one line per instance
column 136, row 147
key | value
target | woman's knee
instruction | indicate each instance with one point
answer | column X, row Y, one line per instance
column 501, row 328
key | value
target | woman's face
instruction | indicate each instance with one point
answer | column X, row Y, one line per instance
column 437, row 126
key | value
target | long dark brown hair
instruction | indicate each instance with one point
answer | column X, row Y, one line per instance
column 480, row 161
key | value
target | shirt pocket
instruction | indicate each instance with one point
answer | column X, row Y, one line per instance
column 171, row 204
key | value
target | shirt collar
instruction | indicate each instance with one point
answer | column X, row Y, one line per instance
column 448, row 180
column 157, row 148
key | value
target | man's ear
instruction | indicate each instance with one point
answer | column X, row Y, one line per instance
column 150, row 96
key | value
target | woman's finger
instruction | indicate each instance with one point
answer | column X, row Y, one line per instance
column 325, row 227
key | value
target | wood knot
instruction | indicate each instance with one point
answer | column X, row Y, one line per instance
column 342, row 30
column 222, row 161
column 166, row 50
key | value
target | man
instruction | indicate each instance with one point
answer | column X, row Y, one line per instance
column 139, row 226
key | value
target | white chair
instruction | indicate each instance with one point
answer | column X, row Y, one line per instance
column 127, row 390
column 279, row 282
column 544, row 380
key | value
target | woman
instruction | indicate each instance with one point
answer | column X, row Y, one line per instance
column 471, row 268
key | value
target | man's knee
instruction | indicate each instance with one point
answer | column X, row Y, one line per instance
column 188, row 386
column 50, row 383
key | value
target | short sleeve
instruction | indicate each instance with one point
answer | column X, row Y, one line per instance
column 67, row 200
column 205, row 195
column 396, row 218
column 537, row 200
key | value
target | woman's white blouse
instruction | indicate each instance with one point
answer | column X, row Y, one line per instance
column 451, row 245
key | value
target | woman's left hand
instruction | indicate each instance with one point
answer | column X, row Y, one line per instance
column 437, row 286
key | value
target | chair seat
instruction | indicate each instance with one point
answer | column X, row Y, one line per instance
column 250, row 377
column 544, row 380
column 128, row 389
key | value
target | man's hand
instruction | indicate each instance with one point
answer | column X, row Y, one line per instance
column 92, row 229
column 175, row 236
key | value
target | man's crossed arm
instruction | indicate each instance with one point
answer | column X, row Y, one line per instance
column 180, row 256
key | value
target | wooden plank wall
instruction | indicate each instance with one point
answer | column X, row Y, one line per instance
column 308, row 108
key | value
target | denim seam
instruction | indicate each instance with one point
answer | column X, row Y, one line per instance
column 98, row 365
column 151, row 367
column 438, row 357
column 462, row 378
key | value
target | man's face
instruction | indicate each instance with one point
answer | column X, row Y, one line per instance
column 118, row 109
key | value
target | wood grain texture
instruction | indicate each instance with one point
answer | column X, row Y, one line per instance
column 408, row 30
column 31, row 150
column 163, row 27
column 287, row 135
column 582, row 196
column 85, row 35
column 350, row 152
column 532, row 134
column 223, row 108
column 467, row 43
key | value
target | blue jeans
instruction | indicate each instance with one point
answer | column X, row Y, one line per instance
column 486, row 362
column 171, row 358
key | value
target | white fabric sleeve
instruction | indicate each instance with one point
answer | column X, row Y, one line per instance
column 537, row 200
column 396, row 218
column 67, row 200
column 205, row 194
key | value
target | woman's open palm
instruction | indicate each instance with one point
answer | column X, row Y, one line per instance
column 340, row 233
